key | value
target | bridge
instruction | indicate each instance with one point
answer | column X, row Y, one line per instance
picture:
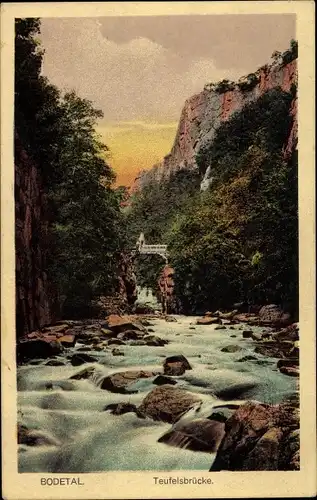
column 144, row 249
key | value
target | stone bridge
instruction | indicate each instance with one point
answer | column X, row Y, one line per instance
column 143, row 248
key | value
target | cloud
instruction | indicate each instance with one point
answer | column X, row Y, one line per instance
column 139, row 80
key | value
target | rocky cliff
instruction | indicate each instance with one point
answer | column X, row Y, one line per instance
column 204, row 112
column 35, row 298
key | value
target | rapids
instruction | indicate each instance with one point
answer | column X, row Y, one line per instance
column 84, row 438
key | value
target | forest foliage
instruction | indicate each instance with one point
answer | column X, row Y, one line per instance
column 238, row 241
column 57, row 131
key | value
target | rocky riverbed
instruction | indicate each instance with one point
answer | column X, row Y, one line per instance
column 159, row 393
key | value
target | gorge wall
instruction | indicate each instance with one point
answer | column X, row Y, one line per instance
column 35, row 298
column 203, row 113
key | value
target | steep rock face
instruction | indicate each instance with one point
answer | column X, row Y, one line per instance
column 35, row 298
column 203, row 113
column 166, row 290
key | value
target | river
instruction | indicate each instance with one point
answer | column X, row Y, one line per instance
column 85, row 438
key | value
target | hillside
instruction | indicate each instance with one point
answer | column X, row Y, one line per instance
column 203, row 113
column 234, row 239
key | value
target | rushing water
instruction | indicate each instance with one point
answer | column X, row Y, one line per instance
column 84, row 438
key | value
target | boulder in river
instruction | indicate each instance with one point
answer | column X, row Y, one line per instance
column 291, row 332
column 37, row 348
column 163, row 379
column 55, row 362
column 257, row 437
column 117, row 352
column 231, row 348
column 273, row 315
column 274, row 349
column 153, row 340
column 176, row 365
column 34, row 437
column 235, row 391
column 247, row 358
column 81, row 358
column 84, row 374
column 208, row 321
column 167, row 403
column 121, row 408
column 54, row 329
column 119, row 382
column 120, row 324
column 137, row 342
column 247, row 334
column 116, row 342
column 292, row 371
column 200, row 434
column 130, row 335
column 170, row 319
column 68, row 340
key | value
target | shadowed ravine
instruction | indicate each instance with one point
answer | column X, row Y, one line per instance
column 84, row 438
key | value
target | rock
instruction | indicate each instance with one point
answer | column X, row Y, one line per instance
column 245, row 318
column 231, row 348
column 288, row 362
column 274, row 349
column 256, row 438
column 130, row 335
column 119, row 382
column 167, row 404
column 233, row 336
column 35, row 437
column 176, row 365
column 80, row 359
column 272, row 314
column 84, row 374
column 170, row 319
column 153, row 340
column 247, row 334
column 121, row 408
column 120, row 324
column 84, row 349
column 220, row 327
column 196, row 435
column 192, row 328
column 150, row 330
column 116, row 342
column 247, row 358
column 163, row 379
column 292, row 371
column 37, row 348
column 137, row 342
column 235, row 391
column 265, row 454
column 256, row 336
column 54, row 362
column 68, row 340
column 145, row 322
column 207, row 321
column 228, row 315
column 54, row 329
column 106, row 333
column 117, row 352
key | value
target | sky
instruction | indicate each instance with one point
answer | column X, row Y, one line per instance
column 140, row 70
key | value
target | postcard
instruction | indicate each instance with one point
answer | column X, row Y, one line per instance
column 158, row 230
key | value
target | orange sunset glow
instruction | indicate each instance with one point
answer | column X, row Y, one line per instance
column 136, row 146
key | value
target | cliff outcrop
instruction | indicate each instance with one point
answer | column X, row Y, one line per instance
column 203, row 113
column 35, row 297
column 166, row 290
